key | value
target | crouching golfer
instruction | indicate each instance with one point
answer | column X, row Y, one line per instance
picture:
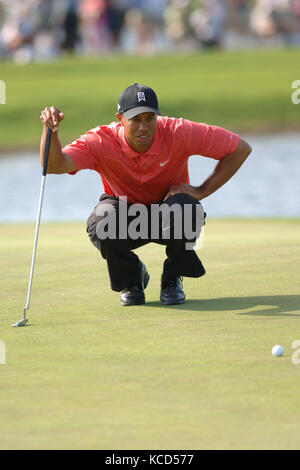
column 142, row 160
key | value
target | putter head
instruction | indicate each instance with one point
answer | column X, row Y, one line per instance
column 21, row 322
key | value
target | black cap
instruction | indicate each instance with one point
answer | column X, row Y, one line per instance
column 137, row 99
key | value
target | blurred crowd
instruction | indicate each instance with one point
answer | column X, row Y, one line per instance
column 43, row 29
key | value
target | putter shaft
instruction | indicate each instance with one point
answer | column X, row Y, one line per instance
column 37, row 227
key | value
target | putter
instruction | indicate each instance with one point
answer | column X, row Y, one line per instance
column 46, row 156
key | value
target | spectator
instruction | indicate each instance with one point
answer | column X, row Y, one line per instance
column 208, row 22
column 238, row 33
column 42, row 29
column 70, row 26
column 177, row 24
column 142, row 34
column 94, row 29
column 277, row 19
column 238, row 15
column 19, row 26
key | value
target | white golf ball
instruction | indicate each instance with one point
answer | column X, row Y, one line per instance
column 277, row 350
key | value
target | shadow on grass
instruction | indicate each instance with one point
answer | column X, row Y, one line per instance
column 269, row 306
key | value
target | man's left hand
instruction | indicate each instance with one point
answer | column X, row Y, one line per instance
column 183, row 188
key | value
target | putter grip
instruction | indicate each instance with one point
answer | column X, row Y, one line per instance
column 46, row 151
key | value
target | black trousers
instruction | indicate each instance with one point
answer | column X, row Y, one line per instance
column 117, row 249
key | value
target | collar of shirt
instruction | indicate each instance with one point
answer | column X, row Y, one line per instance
column 131, row 153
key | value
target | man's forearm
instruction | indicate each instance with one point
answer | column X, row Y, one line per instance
column 55, row 153
column 224, row 170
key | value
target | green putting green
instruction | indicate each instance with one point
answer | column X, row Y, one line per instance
column 87, row 373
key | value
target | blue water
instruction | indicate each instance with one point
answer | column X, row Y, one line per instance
column 267, row 185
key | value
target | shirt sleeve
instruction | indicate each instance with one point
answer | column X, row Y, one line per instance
column 208, row 141
column 82, row 152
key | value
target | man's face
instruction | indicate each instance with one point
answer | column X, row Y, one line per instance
column 140, row 130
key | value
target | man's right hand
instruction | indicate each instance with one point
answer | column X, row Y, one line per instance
column 59, row 162
column 51, row 117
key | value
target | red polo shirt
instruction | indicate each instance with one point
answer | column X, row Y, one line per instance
column 146, row 177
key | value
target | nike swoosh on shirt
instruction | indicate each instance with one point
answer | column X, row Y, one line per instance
column 162, row 164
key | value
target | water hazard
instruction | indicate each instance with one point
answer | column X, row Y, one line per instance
column 267, row 185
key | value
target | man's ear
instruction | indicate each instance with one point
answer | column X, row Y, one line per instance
column 119, row 118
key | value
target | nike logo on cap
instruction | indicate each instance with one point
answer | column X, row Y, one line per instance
column 162, row 164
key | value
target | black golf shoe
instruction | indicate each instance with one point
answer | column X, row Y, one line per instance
column 134, row 295
column 171, row 292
